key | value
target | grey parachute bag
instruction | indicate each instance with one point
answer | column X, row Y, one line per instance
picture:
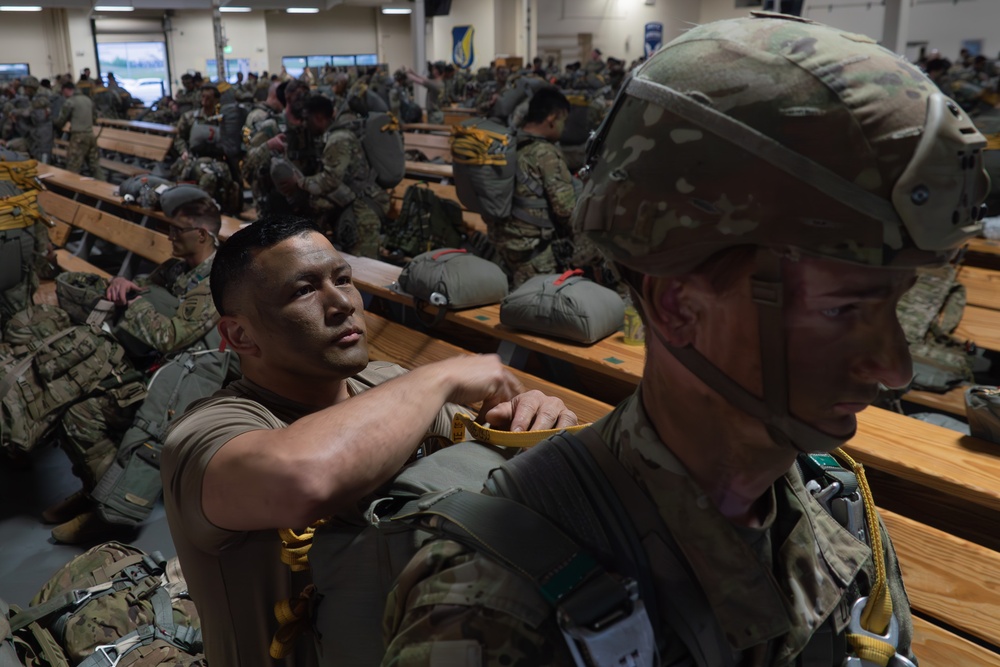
column 484, row 157
column 143, row 190
column 452, row 278
column 982, row 409
column 567, row 305
column 382, row 141
column 128, row 491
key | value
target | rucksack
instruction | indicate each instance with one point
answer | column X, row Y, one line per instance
column 234, row 117
column 116, row 604
column 41, row 379
column 382, row 143
column 567, row 305
column 484, row 156
column 130, row 488
column 79, row 292
column 143, row 190
column 409, row 111
column 929, row 313
column 425, row 222
column 30, row 646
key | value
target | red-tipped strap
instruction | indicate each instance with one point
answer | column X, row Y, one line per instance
column 445, row 252
column 566, row 276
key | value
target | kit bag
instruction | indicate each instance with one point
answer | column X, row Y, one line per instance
column 484, row 156
column 452, row 279
column 567, row 306
column 143, row 190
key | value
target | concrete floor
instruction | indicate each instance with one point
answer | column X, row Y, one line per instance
column 28, row 555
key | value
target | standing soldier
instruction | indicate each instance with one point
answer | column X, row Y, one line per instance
column 767, row 187
column 33, row 121
column 79, row 110
column 435, row 90
column 349, row 205
column 188, row 98
column 543, row 194
column 202, row 160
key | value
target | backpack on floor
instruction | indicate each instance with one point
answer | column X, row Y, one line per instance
column 425, row 222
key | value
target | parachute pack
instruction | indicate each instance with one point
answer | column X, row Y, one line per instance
column 382, row 141
column 143, row 190
column 484, row 156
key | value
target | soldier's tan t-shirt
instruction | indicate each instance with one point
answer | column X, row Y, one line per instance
column 235, row 577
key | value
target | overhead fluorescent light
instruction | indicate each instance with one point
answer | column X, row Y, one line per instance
column 235, row 10
column 302, row 10
column 113, row 8
column 397, row 10
column 17, row 8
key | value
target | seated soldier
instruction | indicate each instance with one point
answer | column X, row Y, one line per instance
column 306, row 433
column 168, row 311
column 761, row 186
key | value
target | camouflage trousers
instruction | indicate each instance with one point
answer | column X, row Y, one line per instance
column 83, row 148
column 522, row 250
column 92, row 429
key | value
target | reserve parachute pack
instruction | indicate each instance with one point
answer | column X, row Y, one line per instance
column 143, row 190
column 382, row 141
column 929, row 313
column 116, row 606
column 127, row 492
column 567, row 305
column 233, row 118
column 425, row 222
column 48, row 365
column 19, row 213
column 450, row 279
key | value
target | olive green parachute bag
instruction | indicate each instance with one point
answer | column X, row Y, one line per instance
column 117, row 606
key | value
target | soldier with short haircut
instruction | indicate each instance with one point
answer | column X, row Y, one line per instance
column 543, row 193
column 188, row 97
column 79, row 111
column 766, row 186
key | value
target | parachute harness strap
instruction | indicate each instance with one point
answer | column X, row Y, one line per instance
column 877, row 615
column 519, row 439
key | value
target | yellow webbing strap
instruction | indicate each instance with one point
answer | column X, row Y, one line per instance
column 22, row 210
column 471, row 145
column 462, row 421
column 295, row 546
column 24, row 174
column 293, row 620
column 578, row 100
column 878, row 611
column 392, row 125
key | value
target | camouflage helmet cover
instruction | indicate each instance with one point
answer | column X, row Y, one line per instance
column 30, row 82
column 778, row 131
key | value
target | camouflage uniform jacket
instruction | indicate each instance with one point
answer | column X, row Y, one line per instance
column 195, row 316
column 342, row 165
column 542, row 174
column 80, row 111
column 187, row 100
column 260, row 113
column 184, row 125
column 768, row 588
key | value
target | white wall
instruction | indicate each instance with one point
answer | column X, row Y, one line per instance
column 190, row 43
column 395, row 42
column 617, row 26
column 481, row 15
column 341, row 30
column 247, row 34
column 81, row 41
column 31, row 37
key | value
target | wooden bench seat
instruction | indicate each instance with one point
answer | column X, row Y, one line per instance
column 147, row 146
column 60, row 148
column 139, row 126
column 430, row 128
column 982, row 286
column 455, row 115
column 430, row 169
column 431, row 145
column 67, row 261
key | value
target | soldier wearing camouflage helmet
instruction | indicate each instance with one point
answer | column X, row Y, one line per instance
column 32, row 121
column 767, row 187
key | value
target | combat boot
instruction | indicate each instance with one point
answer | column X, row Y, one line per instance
column 89, row 528
column 67, row 508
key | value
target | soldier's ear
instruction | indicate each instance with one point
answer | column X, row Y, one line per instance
column 238, row 336
column 668, row 306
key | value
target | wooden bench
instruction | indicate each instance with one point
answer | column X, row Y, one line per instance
column 144, row 145
column 982, row 286
column 389, row 341
column 427, row 127
column 443, row 172
column 431, row 145
column 473, row 221
column 455, row 115
column 139, row 126
column 983, row 252
column 76, row 186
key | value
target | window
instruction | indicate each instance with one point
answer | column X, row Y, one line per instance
column 139, row 67
column 233, row 66
column 11, row 71
column 294, row 65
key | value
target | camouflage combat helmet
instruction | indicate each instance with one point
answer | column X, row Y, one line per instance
column 775, row 130
column 792, row 137
column 30, row 82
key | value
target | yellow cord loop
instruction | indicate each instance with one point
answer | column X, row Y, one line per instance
column 471, row 145
column 293, row 620
column 878, row 611
column 295, row 546
column 392, row 125
column 462, row 421
column 19, row 211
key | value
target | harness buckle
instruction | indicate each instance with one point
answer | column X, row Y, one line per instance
column 110, row 653
column 890, row 637
column 622, row 636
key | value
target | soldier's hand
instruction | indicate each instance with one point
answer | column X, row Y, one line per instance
column 530, row 411
column 278, row 143
column 118, row 290
column 481, row 377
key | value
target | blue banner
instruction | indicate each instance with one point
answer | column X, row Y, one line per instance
column 654, row 38
column 463, row 53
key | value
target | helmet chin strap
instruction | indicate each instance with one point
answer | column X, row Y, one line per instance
column 772, row 410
